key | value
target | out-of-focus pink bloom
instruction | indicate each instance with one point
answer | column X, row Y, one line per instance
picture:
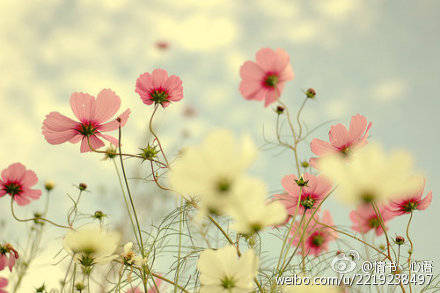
column 317, row 237
column 159, row 88
column 265, row 79
column 411, row 202
column 364, row 219
column 341, row 139
column 151, row 290
column 3, row 284
column 17, row 182
column 134, row 290
column 162, row 45
column 93, row 115
column 6, row 261
column 312, row 193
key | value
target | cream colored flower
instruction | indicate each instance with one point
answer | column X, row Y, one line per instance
column 91, row 245
column 370, row 174
column 213, row 170
column 223, row 271
column 251, row 211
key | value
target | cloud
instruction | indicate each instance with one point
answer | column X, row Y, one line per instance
column 389, row 90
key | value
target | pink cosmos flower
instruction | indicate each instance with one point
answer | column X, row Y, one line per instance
column 3, row 284
column 17, row 182
column 312, row 193
column 159, row 88
column 364, row 219
column 4, row 259
column 92, row 115
column 411, row 202
column 341, row 139
column 317, row 237
column 265, row 79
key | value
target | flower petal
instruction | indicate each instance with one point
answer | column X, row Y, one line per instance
column 14, row 172
column 83, row 106
column 107, row 104
column 114, row 124
column 159, row 77
column 426, row 202
column 95, row 142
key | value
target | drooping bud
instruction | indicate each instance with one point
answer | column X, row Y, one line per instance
column 279, row 110
column 399, row 240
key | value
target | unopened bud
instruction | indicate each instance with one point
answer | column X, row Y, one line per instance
column 82, row 186
column 49, row 185
column 310, row 93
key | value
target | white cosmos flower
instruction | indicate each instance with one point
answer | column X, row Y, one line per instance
column 223, row 271
column 91, row 245
column 370, row 174
column 212, row 170
column 251, row 211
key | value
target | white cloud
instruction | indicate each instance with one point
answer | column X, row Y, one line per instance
column 389, row 90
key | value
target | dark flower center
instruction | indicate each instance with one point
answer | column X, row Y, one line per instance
column 317, row 240
column 308, row 202
column 13, row 188
column 228, row 282
column 159, row 96
column 223, row 185
column 374, row 222
column 271, row 80
column 87, row 129
column 410, row 206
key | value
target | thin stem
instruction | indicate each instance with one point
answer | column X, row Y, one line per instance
column 411, row 250
column 140, row 243
column 150, row 126
column 176, row 280
column 34, row 219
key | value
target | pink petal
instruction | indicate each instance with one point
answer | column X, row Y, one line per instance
column 270, row 60
column 29, row 178
column 54, row 137
column 11, row 261
column 2, row 193
column 339, row 136
column 107, row 104
column 109, row 138
column 57, row 122
column 426, row 202
column 14, row 172
column 83, row 106
column 3, row 260
column 252, row 71
column 21, row 200
column 77, row 138
column 144, row 83
column 174, row 87
column 94, row 141
column 289, row 184
column 287, row 74
column 271, row 96
column 159, row 77
column 113, row 125
column 320, row 147
column 357, row 128
column 32, row 193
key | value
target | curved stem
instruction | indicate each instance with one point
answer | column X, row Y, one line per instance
column 35, row 219
column 150, row 127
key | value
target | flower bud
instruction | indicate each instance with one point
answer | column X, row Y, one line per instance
column 305, row 164
column 399, row 240
column 99, row 215
column 279, row 110
column 49, row 185
column 310, row 93
column 82, row 186
column 80, row 286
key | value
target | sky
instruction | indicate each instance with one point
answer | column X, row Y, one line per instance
column 377, row 58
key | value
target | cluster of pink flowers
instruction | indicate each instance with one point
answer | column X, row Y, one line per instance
column 265, row 80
